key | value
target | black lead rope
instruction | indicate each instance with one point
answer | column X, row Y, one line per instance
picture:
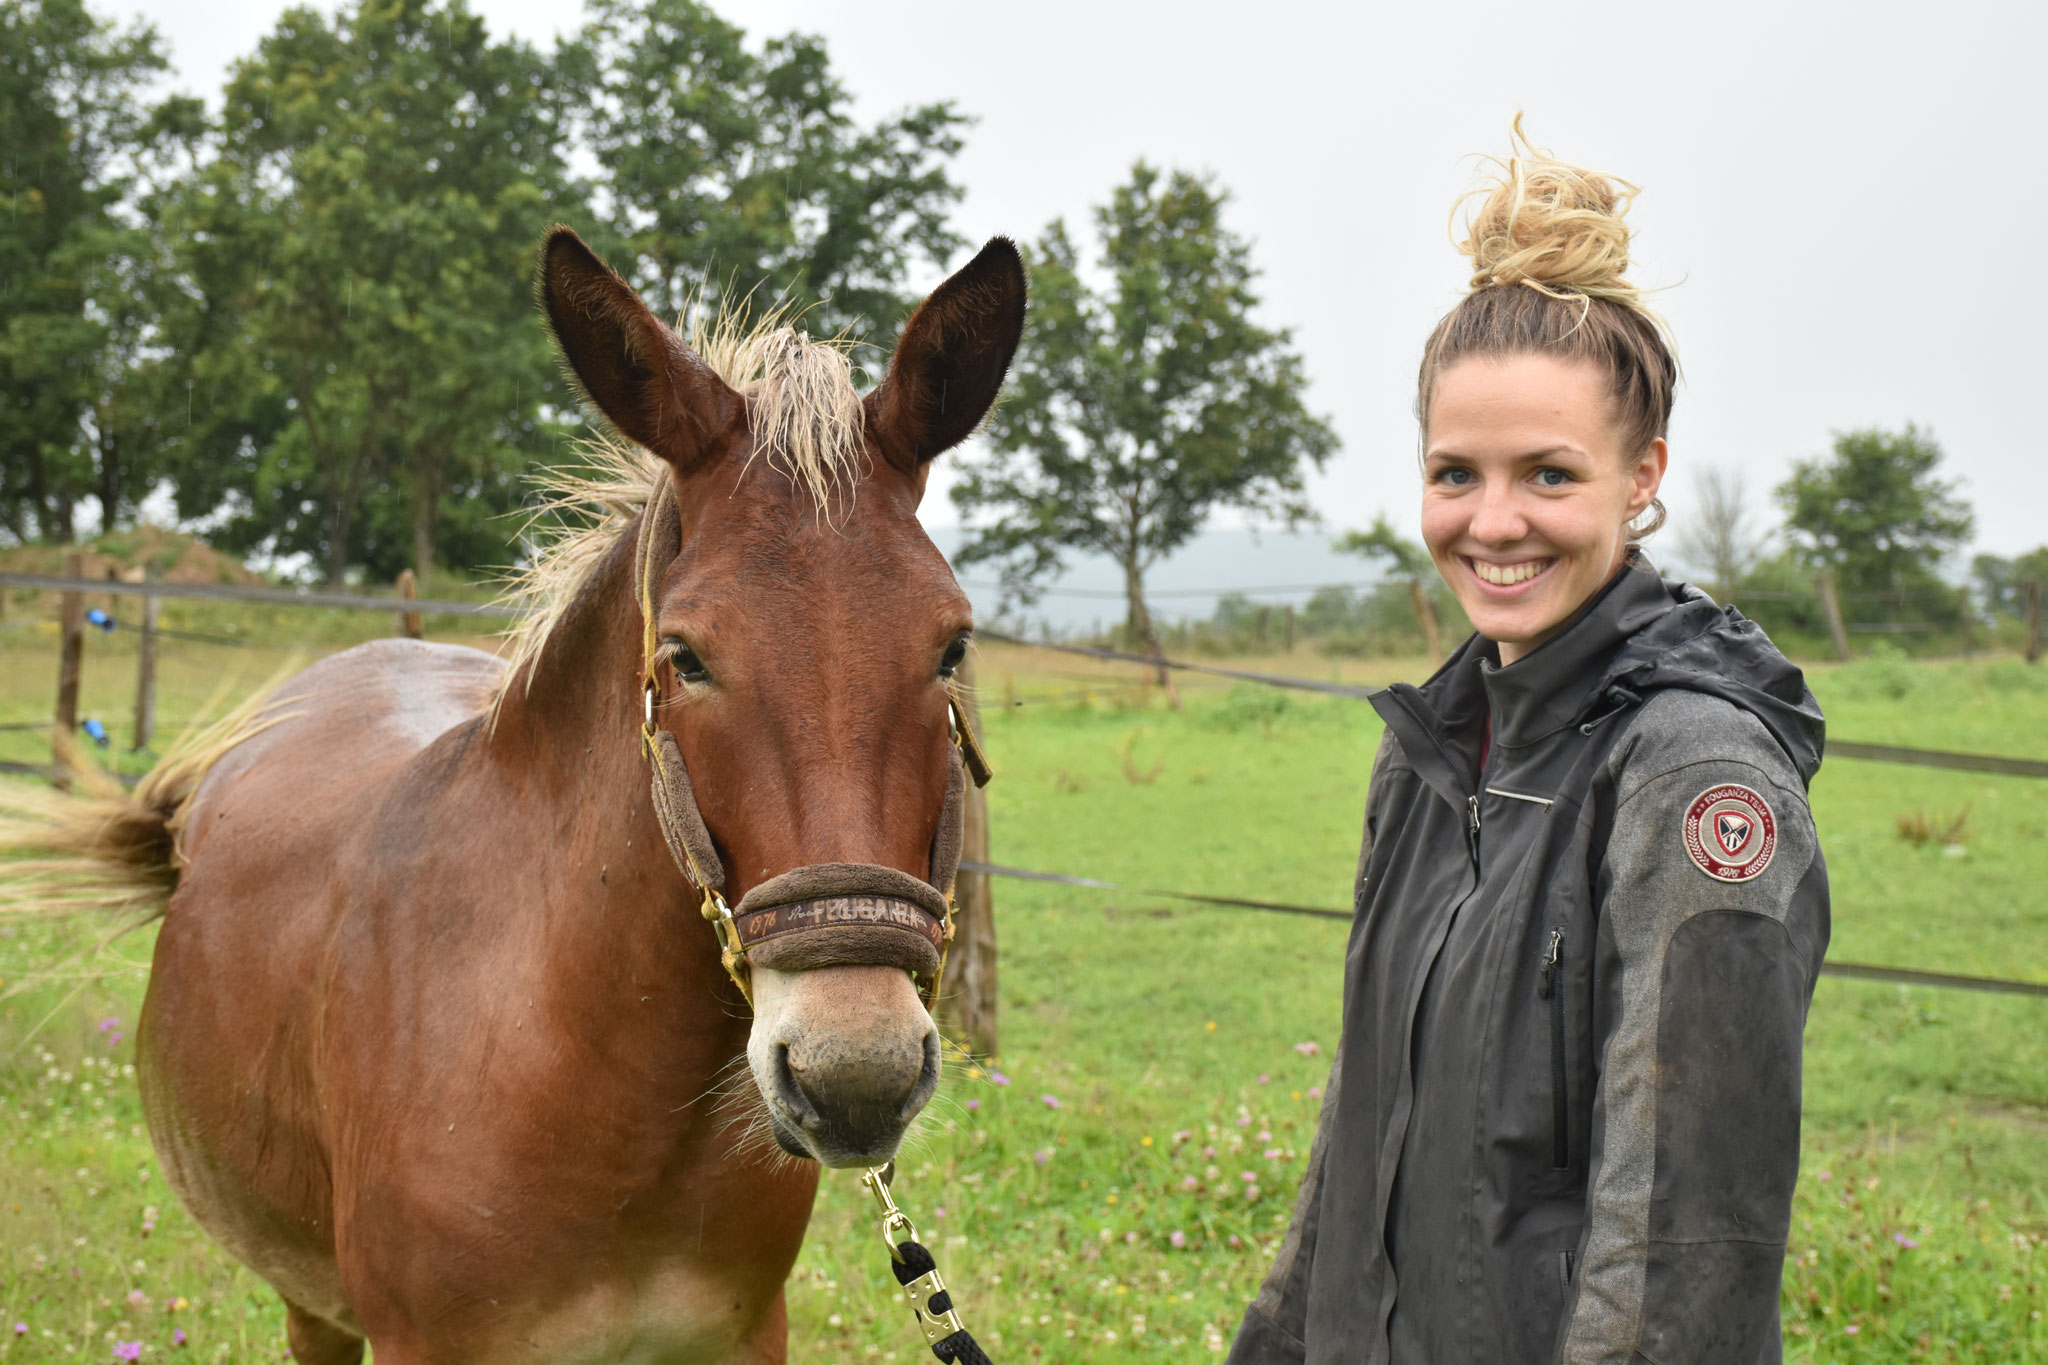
column 912, row 1264
column 931, row 1306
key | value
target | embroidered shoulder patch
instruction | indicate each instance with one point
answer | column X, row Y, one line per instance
column 1731, row 833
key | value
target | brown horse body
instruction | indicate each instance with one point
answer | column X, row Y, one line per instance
column 436, row 1040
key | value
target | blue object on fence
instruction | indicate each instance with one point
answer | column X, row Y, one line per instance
column 97, row 730
column 103, row 621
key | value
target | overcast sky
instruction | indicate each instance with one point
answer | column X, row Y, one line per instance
column 1844, row 197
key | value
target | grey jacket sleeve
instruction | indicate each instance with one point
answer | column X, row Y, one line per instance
column 1704, row 969
column 1271, row 1333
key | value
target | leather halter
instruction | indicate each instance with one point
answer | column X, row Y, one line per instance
column 823, row 913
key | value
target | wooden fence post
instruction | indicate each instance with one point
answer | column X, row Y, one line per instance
column 70, row 664
column 408, row 621
column 145, row 668
column 2033, row 620
column 1831, row 607
column 971, row 962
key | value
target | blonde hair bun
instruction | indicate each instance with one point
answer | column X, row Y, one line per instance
column 1555, row 227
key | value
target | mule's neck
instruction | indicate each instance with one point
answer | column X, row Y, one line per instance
column 579, row 697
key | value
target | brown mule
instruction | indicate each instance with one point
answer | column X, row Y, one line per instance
column 436, row 1040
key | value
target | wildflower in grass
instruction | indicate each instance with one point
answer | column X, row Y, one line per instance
column 1211, row 1026
column 178, row 1336
column 1308, row 1049
column 1264, row 1078
column 998, row 1078
column 1907, row 1242
column 178, row 1304
column 1244, row 1120
column 1182, row 1136
column 1042, row 1155
column 1251, row 1192
column 1823, row 1176
column 1315, row 1092
column 1247, row 1176
column 1274, row 1153
column 1051, row 1101
column 127, row 1350
column 1235, row 1241
column 1189, row 1183
column 21, row 1329
column 1851, row 1330
column 1177, row 1239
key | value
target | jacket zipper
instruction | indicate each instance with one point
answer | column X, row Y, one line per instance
column 1550, row 988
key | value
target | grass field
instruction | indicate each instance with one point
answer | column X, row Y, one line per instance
column 1112, row 1185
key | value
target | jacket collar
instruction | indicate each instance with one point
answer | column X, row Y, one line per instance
column 1560, row 681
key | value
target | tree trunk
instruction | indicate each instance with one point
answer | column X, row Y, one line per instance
column 1831, row 608
column 109, row 477
column 1425, row 616
column 2033, row 620
column 338, row 522
column 424, row 491
column 1138, row 624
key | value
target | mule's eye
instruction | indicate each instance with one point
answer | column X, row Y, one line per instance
column 687, row 665
column 955, row 655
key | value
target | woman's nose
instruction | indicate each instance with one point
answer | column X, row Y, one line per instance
column 1498, row 519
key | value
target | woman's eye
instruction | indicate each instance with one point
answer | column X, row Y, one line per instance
column 1454, row 475
column 687, row 665
column 1551, row 477
column 955, row 655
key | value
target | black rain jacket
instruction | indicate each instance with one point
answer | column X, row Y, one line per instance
column 1563, row 1119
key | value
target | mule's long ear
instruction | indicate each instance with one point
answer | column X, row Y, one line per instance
column 951, row 360
column 652, row 387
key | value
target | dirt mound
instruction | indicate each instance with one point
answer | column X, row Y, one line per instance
column 175, row 556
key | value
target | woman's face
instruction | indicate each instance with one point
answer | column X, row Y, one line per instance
column 1526, row 492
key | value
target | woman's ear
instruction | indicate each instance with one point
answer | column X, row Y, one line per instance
column 1647, row 478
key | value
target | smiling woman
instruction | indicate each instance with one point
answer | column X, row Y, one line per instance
column 1564, row 1121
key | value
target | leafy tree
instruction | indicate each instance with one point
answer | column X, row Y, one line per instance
column 724, row 167
column 1876, row 514
column 2002, row 583
column 1137, row 408
column 366, row 230
column 1409, row 562
column 73, row 128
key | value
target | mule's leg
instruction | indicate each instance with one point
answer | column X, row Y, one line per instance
column 317, row 1341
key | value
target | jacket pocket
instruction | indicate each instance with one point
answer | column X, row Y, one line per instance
column 1564, row 1273
column 1550, row 986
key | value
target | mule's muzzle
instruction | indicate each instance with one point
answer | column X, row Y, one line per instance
column 844, row 915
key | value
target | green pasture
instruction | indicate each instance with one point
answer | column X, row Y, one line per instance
column 1111, row 1186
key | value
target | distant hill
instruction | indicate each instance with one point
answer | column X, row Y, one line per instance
column 1270, row 567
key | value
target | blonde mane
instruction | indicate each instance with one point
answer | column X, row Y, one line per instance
column 806, row 421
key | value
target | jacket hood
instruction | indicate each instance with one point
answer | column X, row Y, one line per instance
column 1700, row 646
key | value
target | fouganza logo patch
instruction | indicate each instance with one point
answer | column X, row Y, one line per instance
column 1730, row 833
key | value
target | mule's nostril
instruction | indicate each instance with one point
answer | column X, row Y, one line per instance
column 920, row 1092
column 792, row 1092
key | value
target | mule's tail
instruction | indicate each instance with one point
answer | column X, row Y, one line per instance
column 105, row 848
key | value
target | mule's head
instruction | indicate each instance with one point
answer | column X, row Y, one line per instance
column 809, row 630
